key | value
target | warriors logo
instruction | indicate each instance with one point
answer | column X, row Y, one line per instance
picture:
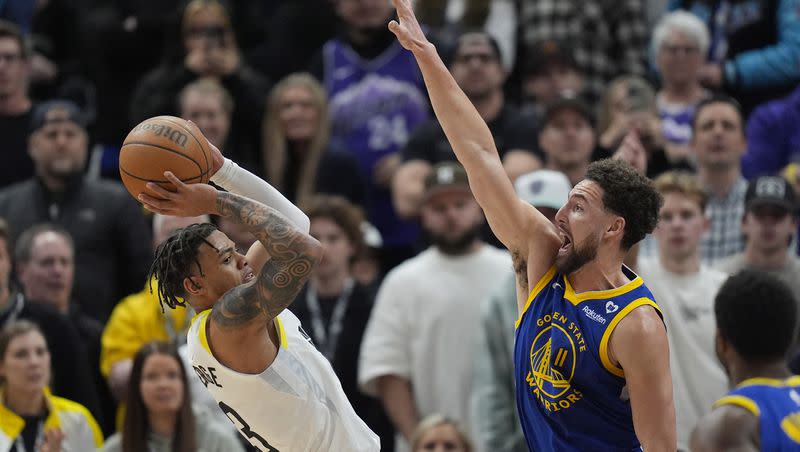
column 553, row 370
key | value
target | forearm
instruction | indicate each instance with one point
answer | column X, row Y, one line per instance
column 466, row 131
column 293, row 255
column 398, row 401
column 238, row 180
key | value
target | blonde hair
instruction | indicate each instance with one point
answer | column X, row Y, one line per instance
column 436, row 420
column 682, row 183
column 274, row 146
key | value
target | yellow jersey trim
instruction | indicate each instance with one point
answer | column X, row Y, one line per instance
column 791, row 426
column 281, row 333
column 577, row 298
column 773, row 382
column 536, row 289
column 604, row 358
column 201, row 331
column 741, row 401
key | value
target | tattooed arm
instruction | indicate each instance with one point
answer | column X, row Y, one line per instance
column 293, row 256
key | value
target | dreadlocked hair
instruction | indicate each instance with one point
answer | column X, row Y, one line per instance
column 173, row 262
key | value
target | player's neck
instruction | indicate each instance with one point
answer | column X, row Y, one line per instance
column 162, row 423
column 765, row 259
column 25, row 403
column 719, row 181
column 680, row 265
column 330, row 285
column 600, row 274
column 743, row 371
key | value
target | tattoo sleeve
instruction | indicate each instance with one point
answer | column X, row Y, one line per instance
column 293, row 254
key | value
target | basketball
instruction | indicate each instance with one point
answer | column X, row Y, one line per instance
column 163, row 143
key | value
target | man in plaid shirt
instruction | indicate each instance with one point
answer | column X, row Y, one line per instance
column 607, row 37
column 719, row 141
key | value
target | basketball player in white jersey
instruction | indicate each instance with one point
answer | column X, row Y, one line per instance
column 246, row 347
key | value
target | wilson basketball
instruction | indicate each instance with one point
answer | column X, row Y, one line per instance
column 163, row 143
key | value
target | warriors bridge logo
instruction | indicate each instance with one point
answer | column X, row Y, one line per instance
column 553, row 356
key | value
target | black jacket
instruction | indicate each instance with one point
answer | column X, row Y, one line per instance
column 113, row 242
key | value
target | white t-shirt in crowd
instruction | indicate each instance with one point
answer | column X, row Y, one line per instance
column 424, row 327
column 687, row 302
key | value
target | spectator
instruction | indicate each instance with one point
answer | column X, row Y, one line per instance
column 160, row 417
column 45, row 262
column 437, row 432
column 493, row 400
column 628, row 105
column 366, row 268
column 680, row 41
column 110, row 232
column 567, row 137
column 15, row 105
column 377, row 97
column 70, row 368
column 769, row 222
column 475, row 63
column 206, row 103
column 209, row 50
column 32, row 417
column 685, row 290
column 718, row 143
column 335, row 308
column 299, row 158
column 549, row 71
column 754, row 47
column 139, row 318
column 608, row 38
column 422, row 364
column 773, row 138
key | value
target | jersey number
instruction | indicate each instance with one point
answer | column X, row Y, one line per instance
column 254, row 438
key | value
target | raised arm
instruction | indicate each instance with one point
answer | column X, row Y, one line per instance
column 517, row 224
column 294, row 254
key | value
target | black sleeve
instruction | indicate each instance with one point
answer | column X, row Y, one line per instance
column 156, row 93
column 133, row 253
column 421, row 144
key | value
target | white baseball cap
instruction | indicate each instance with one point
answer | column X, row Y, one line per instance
column 543, row 188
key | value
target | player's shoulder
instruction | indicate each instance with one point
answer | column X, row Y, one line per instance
column 724, row 428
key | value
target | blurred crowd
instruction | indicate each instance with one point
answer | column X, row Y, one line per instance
column 414, row 301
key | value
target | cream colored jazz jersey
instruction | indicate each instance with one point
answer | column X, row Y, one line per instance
column 296, row 404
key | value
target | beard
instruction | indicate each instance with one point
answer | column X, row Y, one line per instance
column 578, row 257
column 458, row 245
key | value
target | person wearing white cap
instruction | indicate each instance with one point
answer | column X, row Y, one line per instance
column 496, row 424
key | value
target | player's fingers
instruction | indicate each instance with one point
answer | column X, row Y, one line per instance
column 175, row 181
column 152, row 201
column 159, row 191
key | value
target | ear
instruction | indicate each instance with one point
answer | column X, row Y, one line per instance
column 192, row 286
column 616, row 228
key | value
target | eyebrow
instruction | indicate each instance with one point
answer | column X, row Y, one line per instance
column 579, row 196
column 225, row 251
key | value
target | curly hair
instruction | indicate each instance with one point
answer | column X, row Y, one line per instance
column 757, row 314
column 174, row 260
column 629, row 195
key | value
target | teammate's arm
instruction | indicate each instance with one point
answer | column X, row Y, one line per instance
column 726, row 429
column 517, row 224
column 639, row 344
column 398, row 401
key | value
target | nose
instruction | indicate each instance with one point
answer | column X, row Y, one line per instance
column 241, row 260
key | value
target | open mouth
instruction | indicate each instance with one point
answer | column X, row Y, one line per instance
column 566, row 244
column 249, row 276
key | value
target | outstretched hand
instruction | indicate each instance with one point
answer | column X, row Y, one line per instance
column 407, row 30
column 632, row 152
column 181, row 200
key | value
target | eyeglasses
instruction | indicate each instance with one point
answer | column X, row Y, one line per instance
column 483, row 58
column 683, row 50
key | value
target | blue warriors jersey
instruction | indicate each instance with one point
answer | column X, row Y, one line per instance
column 776, row 404
column 570, row 396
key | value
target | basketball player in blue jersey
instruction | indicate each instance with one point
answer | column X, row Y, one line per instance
column 591, row 350
column 756, row 327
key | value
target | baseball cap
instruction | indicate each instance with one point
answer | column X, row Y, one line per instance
column 446, row 176
column 770, row 190
column 567, row 101
column 451, row 50
column 543, row 188
column 54, row 111
column 547, row 54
